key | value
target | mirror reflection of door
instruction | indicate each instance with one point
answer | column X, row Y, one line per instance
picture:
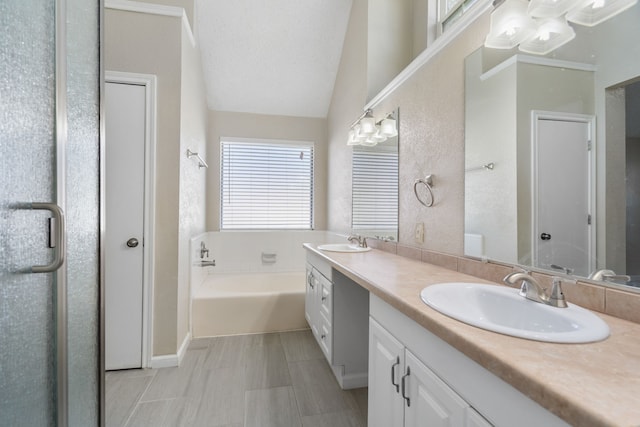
column 563, row 226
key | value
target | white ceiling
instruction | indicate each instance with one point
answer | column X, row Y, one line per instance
column 275, row 57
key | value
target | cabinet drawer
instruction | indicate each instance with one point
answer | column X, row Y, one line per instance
column 325, row 290
column 326, row 338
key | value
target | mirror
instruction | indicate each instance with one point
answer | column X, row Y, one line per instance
column 374, row 188
column 552, row 154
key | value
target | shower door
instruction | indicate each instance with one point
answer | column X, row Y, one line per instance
column 49, row 178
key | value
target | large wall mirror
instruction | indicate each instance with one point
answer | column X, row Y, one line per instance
column 374, row 188
column 552, row 154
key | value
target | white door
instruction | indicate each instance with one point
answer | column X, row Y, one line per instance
column 386, row 362
column 562, row 232
column 124, row 206
column 432, row 402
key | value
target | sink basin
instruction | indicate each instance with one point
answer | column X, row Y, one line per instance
column 501, row 309
column 342, row 247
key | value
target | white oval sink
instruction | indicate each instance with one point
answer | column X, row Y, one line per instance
column 502, row 309
column 342, row 247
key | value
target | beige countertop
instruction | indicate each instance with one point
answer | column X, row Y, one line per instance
column 595, row 384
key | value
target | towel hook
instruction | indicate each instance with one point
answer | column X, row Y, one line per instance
column 428, row 183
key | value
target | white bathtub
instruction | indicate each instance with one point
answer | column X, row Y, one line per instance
column 227, row 304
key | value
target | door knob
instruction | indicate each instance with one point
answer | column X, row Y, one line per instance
column 132, row 242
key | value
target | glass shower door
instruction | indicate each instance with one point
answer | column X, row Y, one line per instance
column 48, row 164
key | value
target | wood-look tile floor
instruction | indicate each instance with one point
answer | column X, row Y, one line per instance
column 267, row 380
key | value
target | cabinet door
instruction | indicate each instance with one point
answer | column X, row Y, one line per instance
column 386, row 359
column 310, row 302
column 431, row 402
column 474, row 419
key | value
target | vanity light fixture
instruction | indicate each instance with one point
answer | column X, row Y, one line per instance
column 366, row 131
column 510, row 25
column 551, row 34
column 593, row 12
column 540, row 26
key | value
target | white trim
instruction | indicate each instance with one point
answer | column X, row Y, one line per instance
column 171, row 360
column 537, row 115
column 149, row 81
column 537, row 60
column 153, row 9
column 438, row 45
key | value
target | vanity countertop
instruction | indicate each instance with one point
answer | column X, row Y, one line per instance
column 595, row 384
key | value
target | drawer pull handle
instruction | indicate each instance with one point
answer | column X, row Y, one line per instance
column 393, row 374
column 404, row 393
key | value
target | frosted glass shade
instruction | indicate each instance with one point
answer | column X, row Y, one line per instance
column 388, row 127
column 510, row 25
column 551, row 34
column 550, row 8
column 351, row 139
column 591, row 12
column 368, row 126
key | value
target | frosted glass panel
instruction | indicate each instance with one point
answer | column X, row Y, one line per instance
column 82, row 182
column 27, row 324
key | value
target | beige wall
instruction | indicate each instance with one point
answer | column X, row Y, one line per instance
column 193, row 136
column 245, row 125
column 155, row 44
column 431, row 106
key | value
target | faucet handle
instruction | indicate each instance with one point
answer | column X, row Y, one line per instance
column 556, row 296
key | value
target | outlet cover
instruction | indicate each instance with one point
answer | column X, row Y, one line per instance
column 419, row 233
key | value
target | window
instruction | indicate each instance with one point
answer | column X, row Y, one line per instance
column 266, row 185
column 452, row 10
column 375, row 190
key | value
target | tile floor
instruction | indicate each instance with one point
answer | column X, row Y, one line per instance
column 266, row 380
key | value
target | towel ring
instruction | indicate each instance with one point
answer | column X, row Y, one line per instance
column 428, row 183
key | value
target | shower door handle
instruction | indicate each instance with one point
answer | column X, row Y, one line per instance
column 57, row 236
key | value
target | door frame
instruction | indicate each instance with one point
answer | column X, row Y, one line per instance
column 149, row 81
column 590, row 120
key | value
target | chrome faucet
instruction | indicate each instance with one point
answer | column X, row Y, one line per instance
column 203, row 250
column 362, row 241
column 533, row 291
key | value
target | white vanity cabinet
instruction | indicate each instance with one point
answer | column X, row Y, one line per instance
column 404, row 392
column 337, row 310
column 417, row 379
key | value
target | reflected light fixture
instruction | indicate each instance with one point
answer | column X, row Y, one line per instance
column 593, row 12
column 366, row 131
column 540, row 26
column 510, row 25
column 551, row 34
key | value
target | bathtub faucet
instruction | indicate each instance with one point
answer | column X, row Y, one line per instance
column 362, row 241
column 203, row 250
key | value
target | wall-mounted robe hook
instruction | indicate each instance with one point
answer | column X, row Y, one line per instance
column 428, row 183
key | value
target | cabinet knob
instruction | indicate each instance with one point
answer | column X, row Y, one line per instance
column 323, row 336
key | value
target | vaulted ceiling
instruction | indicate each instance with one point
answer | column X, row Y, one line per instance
column 276, row 57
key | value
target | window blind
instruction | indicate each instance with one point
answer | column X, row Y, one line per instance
column 266, row 185
column 375, row 190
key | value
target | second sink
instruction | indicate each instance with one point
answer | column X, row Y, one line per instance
column 501, row 309
column 342, row 247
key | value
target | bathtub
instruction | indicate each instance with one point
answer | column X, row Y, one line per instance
column 228, row 304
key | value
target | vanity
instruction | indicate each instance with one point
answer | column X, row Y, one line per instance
column 423, row 365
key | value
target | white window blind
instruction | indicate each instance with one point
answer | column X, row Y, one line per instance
column 375, row 190
column 266, row 185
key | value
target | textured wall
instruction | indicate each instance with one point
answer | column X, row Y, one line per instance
column 193, row 136
column 132, row 43
column 431, row 106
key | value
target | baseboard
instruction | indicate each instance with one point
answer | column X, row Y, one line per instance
column 171, row 360
column 350, row 381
